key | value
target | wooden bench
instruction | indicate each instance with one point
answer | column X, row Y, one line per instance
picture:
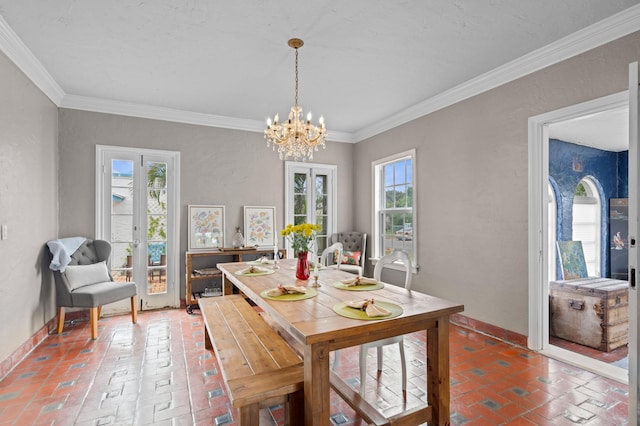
column 259, row 368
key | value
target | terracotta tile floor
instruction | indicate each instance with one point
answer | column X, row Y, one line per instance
column 158, row 372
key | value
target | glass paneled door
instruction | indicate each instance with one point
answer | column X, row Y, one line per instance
column 138, row 215
column 310, row 198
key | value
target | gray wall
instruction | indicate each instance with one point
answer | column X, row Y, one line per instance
column 218, row 166
column 472, row 171
column 28, row 206
column 472, row 176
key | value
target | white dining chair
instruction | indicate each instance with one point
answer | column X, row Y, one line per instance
column 397, row 257
column 329, row 255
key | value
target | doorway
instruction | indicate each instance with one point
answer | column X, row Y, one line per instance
column 136, row 210
column 540, row 130
column 311, row 197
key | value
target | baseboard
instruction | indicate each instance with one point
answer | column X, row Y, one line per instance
column 18, row 355
column 489, row 329
column 23, row 350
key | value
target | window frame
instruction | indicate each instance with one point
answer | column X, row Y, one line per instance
column 377, row 169
column 593, row 198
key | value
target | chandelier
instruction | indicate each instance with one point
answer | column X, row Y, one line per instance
column 295, row 138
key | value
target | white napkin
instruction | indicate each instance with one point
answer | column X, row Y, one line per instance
column 253, row 270
column 286, row 289
column 357, row 304
column 375, row 310
column 275, row 292
column 358, row 281
column 264, row 260
column 370, row 307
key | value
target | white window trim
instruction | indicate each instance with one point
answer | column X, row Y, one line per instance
column 593, row 198
column 376, row 197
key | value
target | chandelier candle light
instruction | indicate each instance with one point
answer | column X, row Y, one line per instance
column 295, row 138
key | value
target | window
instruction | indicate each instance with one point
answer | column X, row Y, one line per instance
column 586, row 223
column 310, row 197
column 394, row 205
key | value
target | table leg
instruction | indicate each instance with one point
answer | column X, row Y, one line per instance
column 438, row 371
column 316, row 384
column 227, row 285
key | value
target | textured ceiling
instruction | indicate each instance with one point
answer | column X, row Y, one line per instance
column 363, row 60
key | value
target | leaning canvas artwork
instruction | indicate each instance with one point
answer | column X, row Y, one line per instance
column 572, row 260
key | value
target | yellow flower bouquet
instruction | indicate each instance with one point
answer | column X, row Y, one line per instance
column 300, row 236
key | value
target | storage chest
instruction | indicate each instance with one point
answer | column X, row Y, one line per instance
column 592, row 312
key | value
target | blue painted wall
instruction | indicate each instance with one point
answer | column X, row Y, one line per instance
column 568, row 165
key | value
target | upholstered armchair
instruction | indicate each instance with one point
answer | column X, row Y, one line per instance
column 354, row 246
column 86, row 282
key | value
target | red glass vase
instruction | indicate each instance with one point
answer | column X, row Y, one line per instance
column 302, row 268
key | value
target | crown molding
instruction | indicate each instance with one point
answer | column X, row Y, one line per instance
column 85, row 103
column 106, row 106
column 605, row 31
column 21, row 56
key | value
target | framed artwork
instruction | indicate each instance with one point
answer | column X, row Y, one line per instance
column 259, row 226
column 206, row 227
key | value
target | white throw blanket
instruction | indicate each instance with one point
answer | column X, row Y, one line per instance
column 62, row 250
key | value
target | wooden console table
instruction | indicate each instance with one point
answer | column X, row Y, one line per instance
column 217, row 256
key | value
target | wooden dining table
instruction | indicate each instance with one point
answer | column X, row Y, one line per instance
column 317, row 329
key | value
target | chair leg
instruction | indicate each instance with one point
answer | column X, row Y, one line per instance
column 134, row 309
column 379, row 348
column 60, row 319
column 404, row 370
column 93, row 322
column 336, row 362
column 99, row 311
column 363, row 370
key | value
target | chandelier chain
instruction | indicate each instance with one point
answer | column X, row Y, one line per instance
column 296, row 103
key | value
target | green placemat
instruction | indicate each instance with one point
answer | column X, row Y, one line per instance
column 359, row 287
column 291, row 297
column 343, row 310
column 256, row 274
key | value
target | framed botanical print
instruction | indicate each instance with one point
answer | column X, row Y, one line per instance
column 259, row 226
column 206, row 227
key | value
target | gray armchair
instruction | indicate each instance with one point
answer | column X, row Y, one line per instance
column 86, row 282
column 352, row 242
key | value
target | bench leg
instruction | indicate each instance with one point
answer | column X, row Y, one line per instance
column 207, row 340
column 249, row 415
column 295, row 413
column 60, row 319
